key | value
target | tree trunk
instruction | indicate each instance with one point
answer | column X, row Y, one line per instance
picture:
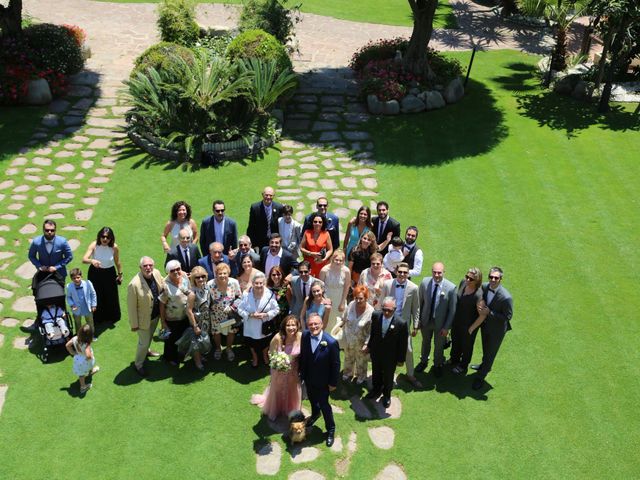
column 603, row 58
column 559, row 56
column 415, row 59
column 11, row 19
column 616, row 56
column 509, row 7
column 585, row 45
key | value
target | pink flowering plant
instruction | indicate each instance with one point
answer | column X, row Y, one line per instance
column 380, row 74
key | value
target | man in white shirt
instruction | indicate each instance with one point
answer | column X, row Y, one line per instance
column 275, row 255
column 412, row 252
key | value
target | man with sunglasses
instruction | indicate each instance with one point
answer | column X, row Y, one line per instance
column 49, row 252
column 300, row 286
column 185, row 252
column 218, row 228
column 498, row 307
column 405, row 293
column 333, row 223
column 387, row 345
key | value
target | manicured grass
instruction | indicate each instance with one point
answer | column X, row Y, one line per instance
column 387, row 12
column 511, row 176
column 16, row 126
column 544, row 187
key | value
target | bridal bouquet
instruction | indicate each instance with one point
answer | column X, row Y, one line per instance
column 280, row 361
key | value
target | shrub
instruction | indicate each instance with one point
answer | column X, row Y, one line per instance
column 261, row 45
column 272, row 16
column 177, row 22
column 214, row 45
column 377, row 50
column 54, row 48
column 162, row 56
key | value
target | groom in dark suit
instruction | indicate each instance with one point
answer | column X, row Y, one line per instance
column 499, row 309
column 387, row 345
column 319, row 369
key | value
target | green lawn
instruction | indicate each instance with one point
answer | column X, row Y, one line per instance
column 511, row 176
column 387, row 12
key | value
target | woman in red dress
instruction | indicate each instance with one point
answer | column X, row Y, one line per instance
column 316, row 245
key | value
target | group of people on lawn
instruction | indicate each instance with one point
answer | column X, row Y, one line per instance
column 290, row 310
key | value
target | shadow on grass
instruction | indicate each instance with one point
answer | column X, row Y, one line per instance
column 570, row 115
column 457, row 385
column 34, row 127
column 147, row 161
column 523, row 79
column 471, row 127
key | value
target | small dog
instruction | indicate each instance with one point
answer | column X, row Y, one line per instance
column 297, row 429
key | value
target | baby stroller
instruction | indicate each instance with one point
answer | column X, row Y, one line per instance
column 53, row 321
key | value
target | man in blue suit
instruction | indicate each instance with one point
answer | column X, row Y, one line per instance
column 49, row 252
column 218, row 228
column 319, row 369
column 215, row 257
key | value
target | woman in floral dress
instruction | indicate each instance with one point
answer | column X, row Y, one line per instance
column 224, row 293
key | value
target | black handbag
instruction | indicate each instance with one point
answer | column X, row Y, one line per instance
column 268, row 327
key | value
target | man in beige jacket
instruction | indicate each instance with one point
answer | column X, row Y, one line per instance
column 144, row 308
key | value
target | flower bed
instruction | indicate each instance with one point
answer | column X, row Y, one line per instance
column 390, row 89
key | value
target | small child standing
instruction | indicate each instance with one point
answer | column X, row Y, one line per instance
column 84, row 363
column 394, row 256
column 82, row 298
column 53, row 316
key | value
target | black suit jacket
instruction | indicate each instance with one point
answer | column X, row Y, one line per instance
column 392, row 226
column 208, row 234
column 288, row 262
column 322, row 368
column 501, row 307
column 392, row 348
column 257, row 227
column 176, row 253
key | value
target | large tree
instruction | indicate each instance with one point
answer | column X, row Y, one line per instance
column 415, row 59
column 11, row 18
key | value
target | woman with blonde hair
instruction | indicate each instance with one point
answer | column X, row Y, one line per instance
column 337, row 280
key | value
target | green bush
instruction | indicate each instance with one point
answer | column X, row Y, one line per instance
column 261, row 45
column 214, row 45
column 162, row 56
column 54, row 48
column 177, row 22
column 272, row 16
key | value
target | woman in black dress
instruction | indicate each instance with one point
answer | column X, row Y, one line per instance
column 469, row 294
column 105, row 273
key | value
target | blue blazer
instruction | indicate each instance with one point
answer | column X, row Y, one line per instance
column 322, row 368
column 59, row 257
column 208, row 234
column 205, row 262
column 90, row 297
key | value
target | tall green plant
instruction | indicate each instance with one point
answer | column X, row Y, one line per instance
column 266, row 85
column 210, row 86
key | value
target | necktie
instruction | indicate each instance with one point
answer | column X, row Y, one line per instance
column 385, row 325
column 186, row 255
column 400, row 285
column 304, row 290
column 267, row 211
column 314, row 342
column 432, row 310
column 380, row 230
